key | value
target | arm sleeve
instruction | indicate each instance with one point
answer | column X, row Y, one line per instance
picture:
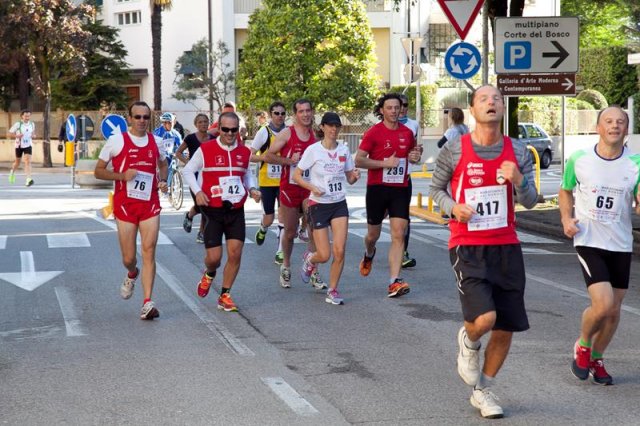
column 307, row 160
column 112, row 147
column 440, row 181
column 569, row 177
column 196, row 163
column 527, row 196
column 442, row 141
column 14, row 128
column 259, row 139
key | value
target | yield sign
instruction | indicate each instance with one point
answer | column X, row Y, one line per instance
column 461, row 14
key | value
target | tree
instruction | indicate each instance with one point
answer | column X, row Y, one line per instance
column 192, row 79
column 602, row 23
column 49, row 33
column 157, row 7
column 106, row 73
column 320, row 50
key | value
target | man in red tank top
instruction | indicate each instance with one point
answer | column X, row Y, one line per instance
column 291, row 143
column 484, row 170
column 137, row 162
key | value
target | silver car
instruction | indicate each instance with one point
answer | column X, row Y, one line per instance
column 534, row 136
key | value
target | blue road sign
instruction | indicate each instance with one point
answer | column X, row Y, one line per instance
column 111, row 124
column 71, row 128
column 462, row 60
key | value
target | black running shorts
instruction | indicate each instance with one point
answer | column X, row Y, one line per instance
column 321, row 215
column 383, row 198
column 219, row 222
column 599, row 265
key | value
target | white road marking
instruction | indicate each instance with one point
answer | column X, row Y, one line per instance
column 162, row 237
column 581, row 293
column 205, row 316
column 71, row 321
column 28, row 278
column 68, row 240
column 293, row 399
column 361, row 232
column 31, row 333
column 3, row 242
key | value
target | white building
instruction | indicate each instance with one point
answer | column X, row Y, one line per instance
column 187, row 22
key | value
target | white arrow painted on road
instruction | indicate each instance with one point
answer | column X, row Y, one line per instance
column 568, row 84
column 114, row 127
column 28, row 278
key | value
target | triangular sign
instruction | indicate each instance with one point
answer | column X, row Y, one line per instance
column 461, row 14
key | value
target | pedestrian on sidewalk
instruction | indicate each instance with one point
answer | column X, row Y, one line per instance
column 602, row 182
column 23, row 132
column 139, row 170
column 487, row 172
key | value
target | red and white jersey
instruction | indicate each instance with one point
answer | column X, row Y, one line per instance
column 480, row 184
column 294, row 145
column 144, row 187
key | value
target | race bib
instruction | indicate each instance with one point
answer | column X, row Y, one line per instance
column 232, row 189
column 168, row 145
column 306, row 174
column 605, row 203
column 274, row 171
column 139, row 188
column 335, row 187
column 395, row 174
column 490, row 203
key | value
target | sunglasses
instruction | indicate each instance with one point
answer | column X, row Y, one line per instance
column 141, row 117
column 229, row 129
column 279, row 113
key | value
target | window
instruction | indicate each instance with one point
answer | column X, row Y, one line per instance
column 533, row 132
column 439, row 38
column 128, row 18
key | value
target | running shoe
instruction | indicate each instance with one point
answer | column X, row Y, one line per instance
column 28, row 182
column 200, row 238
column 398, row 288
column 187, row 222
column 226, row 303
column 261, row 234
column 486, row 401
column 279, row 259
column 581, row 361
column 468, row 360
column 598, row 373
column 408, row 262
column 307, row 267
column 149, row 311
column 12, row 177
column 366, row 264
column 334, row 297
column 302, row 235
column 316, row 280
column 204, row 285
column 126, row 289
column 285, row 277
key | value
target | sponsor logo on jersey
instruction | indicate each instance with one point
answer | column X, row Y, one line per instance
column 475, row 181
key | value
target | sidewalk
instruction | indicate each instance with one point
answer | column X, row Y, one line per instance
column 36, row 168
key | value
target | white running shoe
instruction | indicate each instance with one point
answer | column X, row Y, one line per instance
column 316, row 280
column 126, row 289
column 149, row 311
column 285, row 277
column 468, row 360
column 334, row 297
column 485, row 401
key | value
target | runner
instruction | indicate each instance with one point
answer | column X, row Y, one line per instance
column 331, row 167
column 269, row 174
column 286, row 150
column 605, row 180
column 484, row 170
column 385, row 150
column 137, row 163
column 23, row 132
column 221, row 191
column 191, row 143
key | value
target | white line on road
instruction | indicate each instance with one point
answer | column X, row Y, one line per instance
column 71, row 321
column 162, row 238
column 580, row 293
column 3, row 242
column 68, row 240
column 289, row 395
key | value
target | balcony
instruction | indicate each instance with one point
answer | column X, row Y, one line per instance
column 248, row 6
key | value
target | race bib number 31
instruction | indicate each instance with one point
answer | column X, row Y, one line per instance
column 139, row 187
column 490, row 203
column 274, row 171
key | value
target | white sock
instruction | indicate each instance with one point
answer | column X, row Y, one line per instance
column 484, row 381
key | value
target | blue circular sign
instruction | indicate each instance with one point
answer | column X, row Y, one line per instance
column 462, row 60
column 71, row 128
column 113, row 124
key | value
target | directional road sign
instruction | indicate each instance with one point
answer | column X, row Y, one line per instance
column 113, row 124
column 71, row 128
column 537, row 84
column 462, row 60
column 536, row 45
column 461, row 14
column 85, row 127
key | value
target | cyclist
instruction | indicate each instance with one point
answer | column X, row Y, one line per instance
column 170, row 137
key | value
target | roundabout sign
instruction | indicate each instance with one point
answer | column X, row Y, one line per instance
column 462, row 60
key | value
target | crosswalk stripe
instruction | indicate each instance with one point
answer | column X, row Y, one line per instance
column 361, row 232
column 68, row 240
column 3, row 242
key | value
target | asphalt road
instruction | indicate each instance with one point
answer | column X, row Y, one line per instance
column 73, row 352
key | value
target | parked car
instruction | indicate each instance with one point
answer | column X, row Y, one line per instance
column 534, row 136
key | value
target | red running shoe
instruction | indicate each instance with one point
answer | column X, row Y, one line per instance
column 204, row 285
column 598, row 373
column 581, row 361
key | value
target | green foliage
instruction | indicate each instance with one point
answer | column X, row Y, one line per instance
column 427, row 99
column 636, row 113
column 321, row 50
column 602, row 23
column 106, row 73
column 594, row 98
column 606, row 70
column 192, row 77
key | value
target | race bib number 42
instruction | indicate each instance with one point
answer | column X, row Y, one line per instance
column 139, row 187
column 232, row 189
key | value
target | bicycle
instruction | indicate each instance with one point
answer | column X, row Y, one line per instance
column 174, row 181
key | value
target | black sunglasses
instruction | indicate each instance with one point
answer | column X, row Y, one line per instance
column 279, row 113
column 141, row 117
column 229, row 129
